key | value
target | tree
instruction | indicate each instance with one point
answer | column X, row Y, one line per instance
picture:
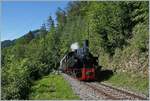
column 61, row 18
column 29, row 36
column 50, row 23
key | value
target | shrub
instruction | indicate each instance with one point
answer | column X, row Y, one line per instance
column 17, row 82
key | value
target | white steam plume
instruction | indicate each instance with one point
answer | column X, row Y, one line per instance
column 74, row 46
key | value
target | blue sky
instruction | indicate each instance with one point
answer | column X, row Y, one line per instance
column 20, row 17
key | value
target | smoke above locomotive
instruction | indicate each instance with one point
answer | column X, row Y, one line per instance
column 74, row 46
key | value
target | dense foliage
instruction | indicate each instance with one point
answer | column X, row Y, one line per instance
column 117, row 32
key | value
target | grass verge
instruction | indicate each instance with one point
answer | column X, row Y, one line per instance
column 130, row 81
column 52, row 87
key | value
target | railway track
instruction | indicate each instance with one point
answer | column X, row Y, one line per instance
column 113, row 93
column 125, row 92
column 108, row 96
column 100, row 91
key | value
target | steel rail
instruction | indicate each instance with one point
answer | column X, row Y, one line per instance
column 125, row 92
column 102, row 92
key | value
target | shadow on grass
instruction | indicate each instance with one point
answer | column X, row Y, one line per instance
column 102, row 75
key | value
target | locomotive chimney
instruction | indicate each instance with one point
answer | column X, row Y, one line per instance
column 86, row 44
column 86, row 47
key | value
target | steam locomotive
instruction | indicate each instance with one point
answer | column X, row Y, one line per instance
column 80, row 63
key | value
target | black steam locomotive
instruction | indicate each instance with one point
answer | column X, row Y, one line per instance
column 80, row 63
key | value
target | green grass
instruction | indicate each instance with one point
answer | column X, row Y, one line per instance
column 130, row 81
column 52, row 87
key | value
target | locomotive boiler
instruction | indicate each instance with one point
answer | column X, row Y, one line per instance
column 79, row 63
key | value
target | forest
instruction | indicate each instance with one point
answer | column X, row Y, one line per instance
column 117, row 34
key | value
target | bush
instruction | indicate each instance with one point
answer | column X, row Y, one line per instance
column 140, row 40
column 17, row 82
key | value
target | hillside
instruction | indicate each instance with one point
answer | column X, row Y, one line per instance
column 7, row 43
column 117, row 32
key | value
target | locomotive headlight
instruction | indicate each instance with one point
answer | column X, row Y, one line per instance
column 75, row 60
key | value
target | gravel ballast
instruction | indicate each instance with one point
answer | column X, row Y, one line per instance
column 86, row 92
